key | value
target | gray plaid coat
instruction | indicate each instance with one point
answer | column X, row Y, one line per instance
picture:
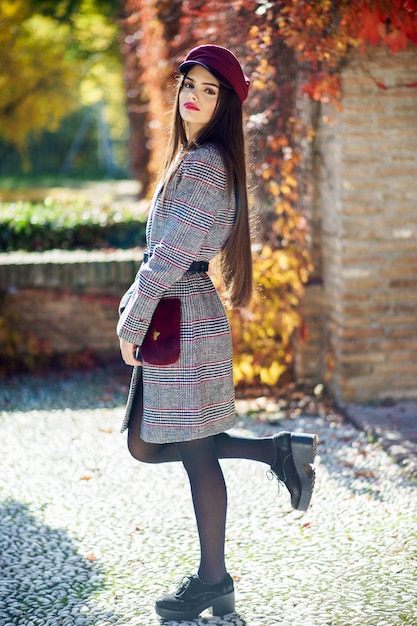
column 194, row 397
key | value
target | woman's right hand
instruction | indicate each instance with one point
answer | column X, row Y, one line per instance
column 128, row 351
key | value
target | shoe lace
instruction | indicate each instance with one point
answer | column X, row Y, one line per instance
column 270, row 474
column 183, row 582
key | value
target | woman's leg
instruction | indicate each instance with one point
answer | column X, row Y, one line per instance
column 227, row 446
column 234, row 447
column 288, row 455
column 209, row 495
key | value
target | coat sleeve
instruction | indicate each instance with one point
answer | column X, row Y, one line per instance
column 200, row 188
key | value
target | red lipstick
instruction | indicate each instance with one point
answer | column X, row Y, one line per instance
column 191, row 106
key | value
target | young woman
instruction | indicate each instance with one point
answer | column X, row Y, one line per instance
column 180, row 411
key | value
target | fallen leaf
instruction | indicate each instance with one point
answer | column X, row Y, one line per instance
column 364, row 474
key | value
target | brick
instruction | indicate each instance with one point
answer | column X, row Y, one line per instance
column 356, row 370
column 356, row 285
column 394, row 296
column 408, row 158
column 353, row 208
column 364, row 357
column 354, row 296
column 401, row 333
column 407, row 356
column 399, row 246
column 394, row 172
column 398, row 320
column 355, row 310
column 406, row 119
column 363, row 271
column 361, row 261
column 362, row 185
column 404, row 386
column 355, row 346
column 396, row 368
column 358, row 107
column 409, row 309
column 360, row 333
column 403, row 283
column 404, row 135
column 403, row 271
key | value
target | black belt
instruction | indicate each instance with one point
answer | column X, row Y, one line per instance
column 196, row 266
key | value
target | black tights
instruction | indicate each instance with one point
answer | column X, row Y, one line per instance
column 208, row 490
column 200, row 458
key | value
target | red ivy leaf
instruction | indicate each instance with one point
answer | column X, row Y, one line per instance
column 372, row 28
column 411, row 7
column 396, row 40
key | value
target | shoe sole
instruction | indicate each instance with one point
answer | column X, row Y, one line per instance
column 304, row 448
column 218, row 607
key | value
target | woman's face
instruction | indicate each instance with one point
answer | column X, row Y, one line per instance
column 197, row 99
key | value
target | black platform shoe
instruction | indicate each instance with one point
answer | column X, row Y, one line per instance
column 193, row 596
column 293, row 454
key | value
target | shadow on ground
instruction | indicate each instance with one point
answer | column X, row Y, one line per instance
column 101, row 387
column 42, row 575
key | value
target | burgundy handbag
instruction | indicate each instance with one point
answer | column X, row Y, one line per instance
column 161, row 345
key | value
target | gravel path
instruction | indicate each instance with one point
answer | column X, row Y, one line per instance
column 88, row 536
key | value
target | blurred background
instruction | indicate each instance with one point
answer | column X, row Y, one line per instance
column 86, row 88
column 62, row 98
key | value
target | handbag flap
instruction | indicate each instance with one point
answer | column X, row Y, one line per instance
column 161, row 345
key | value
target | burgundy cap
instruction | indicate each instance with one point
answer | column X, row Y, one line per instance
column 222, row 63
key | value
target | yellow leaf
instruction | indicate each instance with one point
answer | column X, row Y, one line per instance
column 271, row 375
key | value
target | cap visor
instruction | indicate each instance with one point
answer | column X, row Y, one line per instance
column 184, row 67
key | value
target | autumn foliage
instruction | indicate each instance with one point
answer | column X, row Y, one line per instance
column 322, row 33
column 284, row 46
column 55, row 58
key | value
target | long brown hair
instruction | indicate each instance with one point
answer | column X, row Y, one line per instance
column 225, row 130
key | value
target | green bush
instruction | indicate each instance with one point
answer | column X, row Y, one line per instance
column 68, row 225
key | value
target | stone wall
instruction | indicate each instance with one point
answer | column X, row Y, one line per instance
column 365, row 218
column 69, row 300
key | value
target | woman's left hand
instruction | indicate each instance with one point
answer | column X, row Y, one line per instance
column 128, row 351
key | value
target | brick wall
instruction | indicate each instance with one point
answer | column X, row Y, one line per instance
column 69, row 299
column 365, row 218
